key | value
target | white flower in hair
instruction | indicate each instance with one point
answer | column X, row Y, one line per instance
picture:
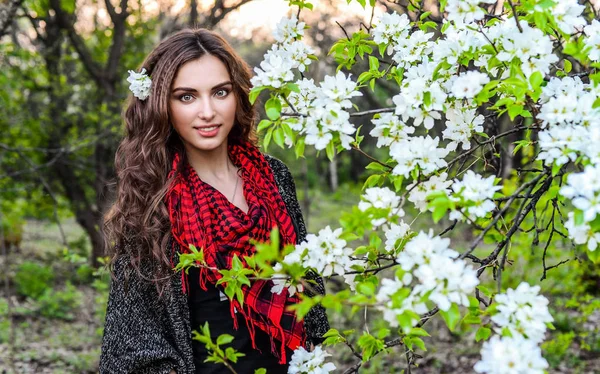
column 140, row 84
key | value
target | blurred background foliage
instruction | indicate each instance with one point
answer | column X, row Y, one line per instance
column 63, row 65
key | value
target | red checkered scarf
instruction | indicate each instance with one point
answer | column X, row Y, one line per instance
column 202, row 216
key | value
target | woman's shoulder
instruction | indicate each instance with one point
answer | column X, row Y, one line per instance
column 278, row 167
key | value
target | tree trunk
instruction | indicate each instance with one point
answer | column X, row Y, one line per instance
column 333, row 174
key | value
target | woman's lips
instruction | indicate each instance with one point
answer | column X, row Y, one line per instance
column 208, row 132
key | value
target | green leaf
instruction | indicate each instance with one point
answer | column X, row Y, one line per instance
column 300, row 145
column 263, row 125
column 555, row 169
column 536, row 79
column 571, row 48
column 594, row 256
column 370, row 345
column 485, row 291
column 366, row 288
column 483, row 333
column 279, row 137
column 540, row 20
column 439, row 212
column 293, row 87
column 273, row 108
column 514, row 110
column 567, row 65
column 376, row 166
column 239, row 295
column 254, row 92
column 383, row 333
column 372, row 180
column 451, row 316
column 417, row 331
column 419, row 343
column 330, row 150
column 472, row 319
column 373, row 63
column 268, row 137
column 224, row 339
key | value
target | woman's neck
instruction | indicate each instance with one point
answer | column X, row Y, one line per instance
column 212, row 166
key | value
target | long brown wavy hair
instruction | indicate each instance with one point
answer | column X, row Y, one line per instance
column 139, row 217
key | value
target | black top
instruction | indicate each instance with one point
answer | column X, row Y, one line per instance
column 207, row 306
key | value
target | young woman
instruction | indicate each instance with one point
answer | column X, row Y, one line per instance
column 189, row 172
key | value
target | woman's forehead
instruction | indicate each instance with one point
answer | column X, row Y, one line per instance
column 205, row 72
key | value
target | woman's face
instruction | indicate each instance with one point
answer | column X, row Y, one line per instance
column 203, row 104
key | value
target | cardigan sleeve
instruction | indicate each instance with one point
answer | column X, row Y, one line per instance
column 315, row 321
column 135, row 338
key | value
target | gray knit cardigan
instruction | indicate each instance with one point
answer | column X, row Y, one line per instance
column 147, row 334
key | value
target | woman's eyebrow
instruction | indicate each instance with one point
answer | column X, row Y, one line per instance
column 189, row 89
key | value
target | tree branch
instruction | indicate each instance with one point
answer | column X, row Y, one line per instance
column 66, row 22
column 7, row 13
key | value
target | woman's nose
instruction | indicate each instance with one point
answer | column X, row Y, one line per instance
column 206, row 110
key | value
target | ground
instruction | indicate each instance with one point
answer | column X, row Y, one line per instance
column 62, row 332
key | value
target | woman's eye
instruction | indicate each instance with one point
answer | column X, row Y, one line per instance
column 222, row 93
column 186, row 98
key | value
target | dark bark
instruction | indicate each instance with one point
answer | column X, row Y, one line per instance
column 193, row 13
column 219, row 11
column 7, row 14
column 88, row 211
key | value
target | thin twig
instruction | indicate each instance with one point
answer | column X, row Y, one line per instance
column 512, row 6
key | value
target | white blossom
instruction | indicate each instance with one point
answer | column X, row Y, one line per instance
column 567, row 14
column 461, row 123
column 303, row 100
column 531, row 46
column 468, row 84
column 582, row 234
column 338, row 89
column 419, row 151
column 584, row 189
column 410, row 49
column 388, row 129
column 562, row 88
column 446, row 280
column 391, row 309
column 436, row 183
column 275, row 69
column 304, row 362
column 476, row 193
column 420, row 249
column 465, row 11
column 299, row 53
column 391, row 27
column 506, row 355
column 281, row 282
column 592, row 40
column 288, row 29
column 395, row 232
column 558, row 144
column 381, row 199
column 441, row 275
column 523, row 311
column 326, row 112
column 455, row 41
column 140, row 84
column 326, row 253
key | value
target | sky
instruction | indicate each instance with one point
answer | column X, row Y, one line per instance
column 257, row 14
